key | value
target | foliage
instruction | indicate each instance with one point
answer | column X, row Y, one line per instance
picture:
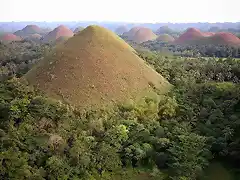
column 17, row 58
column 220, row 51
column 174, row 136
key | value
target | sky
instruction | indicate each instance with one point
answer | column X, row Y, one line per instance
column 121, row 11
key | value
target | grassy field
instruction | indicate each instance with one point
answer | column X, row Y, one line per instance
column 217, row 171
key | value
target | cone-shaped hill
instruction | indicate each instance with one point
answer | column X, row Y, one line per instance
column 143, row 35
column 129, row 34
column 164, row 30
column 56, row 33
column 191, row 34
column 224, row 38
column 95, row 68
column 28, row 30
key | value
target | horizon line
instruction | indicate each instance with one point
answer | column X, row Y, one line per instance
column 128, row 22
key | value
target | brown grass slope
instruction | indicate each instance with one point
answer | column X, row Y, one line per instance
column 56, row 33
column 224, row 38
column 95, row 68
column 60, row 40
column 190, row 35
column 143, row 35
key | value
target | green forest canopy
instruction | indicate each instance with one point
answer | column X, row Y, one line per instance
column 174, row 136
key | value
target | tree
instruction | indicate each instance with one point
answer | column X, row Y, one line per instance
column 187, row 153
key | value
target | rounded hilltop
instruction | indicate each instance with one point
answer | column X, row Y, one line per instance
column 164, row 30
column 29, row 30
column 8, row 37
column 190, row 35
column 129, row 34
column 224, row 38
column 95, row 68
column 56, row 33
column 165, row 38
column 143, row 35
column 121, row 30
column 196, row 37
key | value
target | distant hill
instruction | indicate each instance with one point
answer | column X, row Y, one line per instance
column 8, row 37
column 129, row 34
column 224, row 38
column 164, row 30
column 143, row 35
column 190, row 35
column 34, row 37
column 121, row 29
column 195, row 37
column 29, row 30
column 214, row 29
column 57, row 33
column 95, row 68
column 46, row 30
column 78, row 29
column 14, row 26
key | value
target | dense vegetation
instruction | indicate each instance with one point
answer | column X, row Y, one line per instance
column 221, row 51
column 17, row 58
column 175, row 136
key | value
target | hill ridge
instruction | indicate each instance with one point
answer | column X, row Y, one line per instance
column 195, row 36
